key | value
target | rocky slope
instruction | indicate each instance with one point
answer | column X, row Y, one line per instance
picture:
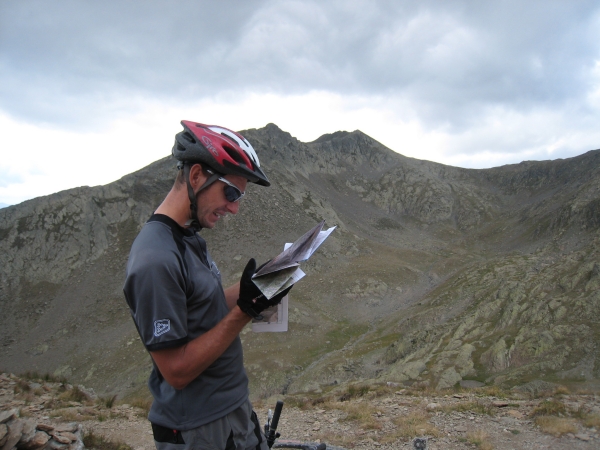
column 436, row 275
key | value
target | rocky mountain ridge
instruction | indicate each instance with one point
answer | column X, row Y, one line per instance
column 435, row 275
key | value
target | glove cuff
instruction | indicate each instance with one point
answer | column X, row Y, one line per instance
column 248, row 310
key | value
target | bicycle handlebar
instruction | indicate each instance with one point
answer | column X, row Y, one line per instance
column 272, row 434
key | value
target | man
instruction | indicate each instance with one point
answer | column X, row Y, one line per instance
column 187, row 321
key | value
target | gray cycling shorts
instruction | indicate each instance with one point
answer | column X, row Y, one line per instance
column 238, row 430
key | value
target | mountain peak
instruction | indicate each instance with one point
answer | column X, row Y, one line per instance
column 429, row 267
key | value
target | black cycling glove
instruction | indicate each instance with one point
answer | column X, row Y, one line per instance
column 251, row 300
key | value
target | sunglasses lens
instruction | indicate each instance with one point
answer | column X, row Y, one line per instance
column 232, row 194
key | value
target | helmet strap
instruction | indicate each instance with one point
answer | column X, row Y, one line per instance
column 193, row 221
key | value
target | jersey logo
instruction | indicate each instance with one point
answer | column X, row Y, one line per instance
column 161, row 326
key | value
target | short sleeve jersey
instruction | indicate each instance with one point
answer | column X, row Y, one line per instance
column 174, row 292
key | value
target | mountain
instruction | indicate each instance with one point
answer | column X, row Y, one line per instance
column 435, row 275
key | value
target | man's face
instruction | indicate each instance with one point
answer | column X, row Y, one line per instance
column 212, row 204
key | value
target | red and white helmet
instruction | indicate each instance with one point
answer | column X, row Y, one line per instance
column 221, row 149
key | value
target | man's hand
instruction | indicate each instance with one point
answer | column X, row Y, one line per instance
column 251, row 300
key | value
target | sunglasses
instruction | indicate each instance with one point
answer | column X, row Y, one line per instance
column 232, row 192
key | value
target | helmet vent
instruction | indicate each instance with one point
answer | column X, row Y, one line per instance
column 231, row 138
column 234, row 155
column 188, row 137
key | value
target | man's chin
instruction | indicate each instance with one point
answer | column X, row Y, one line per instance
column 204, row 223
column 210, row 221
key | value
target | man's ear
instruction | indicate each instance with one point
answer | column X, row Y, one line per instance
column 197, row 176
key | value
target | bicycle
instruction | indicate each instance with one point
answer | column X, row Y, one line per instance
column 272, row 435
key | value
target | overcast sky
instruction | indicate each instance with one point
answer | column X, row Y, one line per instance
column 93, row 90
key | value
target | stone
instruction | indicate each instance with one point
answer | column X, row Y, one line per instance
column 39, row 440
column 68, row 435
column 432, row 406
column 582, row 437
column 28, row 431
column 62, row 439
column 55, row 445
column 516, row 414
column 71, row 427
column 420, row 443
column 14, row 434
column 5, row 416
column 536, row 387
column 448, row 378
column 471, row 384
column 460, row 428
column 499, row 404
column 45, row 427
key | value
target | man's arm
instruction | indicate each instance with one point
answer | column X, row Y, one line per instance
column 183, row 364
column 179, row 366
column 232, row 293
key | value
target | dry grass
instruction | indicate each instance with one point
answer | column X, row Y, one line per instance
column 107, row 402
column 306, row 403
column 557, row 426
column 74, row 395
column 362, row 413
column 591, row 421
column 560, row 391
column 97, row 442
column 549, row 408
column 476, row 407
column 354, row 391
column 143, row 403
column 366, row 416
column 554, row 417
column 346, row 440
column 35, row 376
column 71, row 415
column 411, row 426
column 21, row 386
column 493, row 391
column 349, row 393
column 480, row 439
column 422, row 391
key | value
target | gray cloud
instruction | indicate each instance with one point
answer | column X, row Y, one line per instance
column 73, row 62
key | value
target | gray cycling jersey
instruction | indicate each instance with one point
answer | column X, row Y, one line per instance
column 173, row 289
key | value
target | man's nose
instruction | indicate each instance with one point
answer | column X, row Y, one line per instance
column 233, row 207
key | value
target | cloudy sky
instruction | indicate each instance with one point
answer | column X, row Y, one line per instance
column 91, row 91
